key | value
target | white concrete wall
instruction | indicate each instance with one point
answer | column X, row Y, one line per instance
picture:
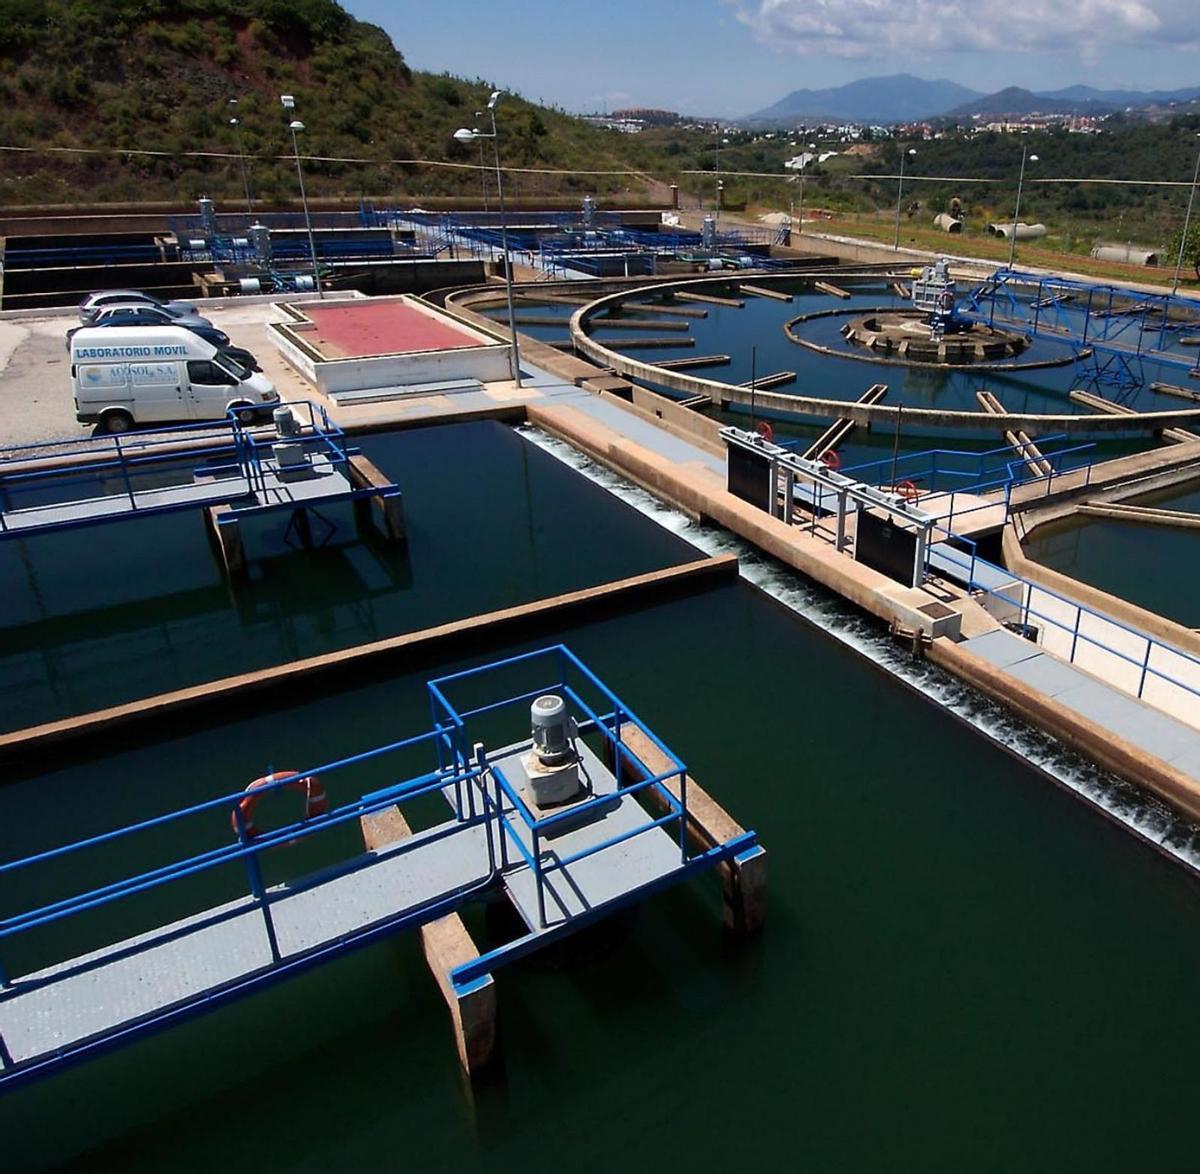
column 488, row 364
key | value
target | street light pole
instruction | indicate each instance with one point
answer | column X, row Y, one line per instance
column 289, row 103
column 483, row 173
column 900, row 195
column 1012, row 248
column 720, row 185
column 463, row 135
column 812, row 147
column 294, row 126
column 241, row 145
column 1187, row 223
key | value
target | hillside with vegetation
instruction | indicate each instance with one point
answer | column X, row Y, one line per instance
column 145, row 88
column 117, row 76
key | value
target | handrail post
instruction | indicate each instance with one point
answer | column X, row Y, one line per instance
column 683, row 816
column 1075, row 635
column 257, row 888
column 1145, row 667
column 124, row 471
column 489, row 820
column 537, row 877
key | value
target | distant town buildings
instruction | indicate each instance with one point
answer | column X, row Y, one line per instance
column 634, row 120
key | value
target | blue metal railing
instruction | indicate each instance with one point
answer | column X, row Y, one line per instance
column 563, row 664
column 243, row 847
column 318, row 434
column 222, row 449
column 481, row 795
column 483, row 801
column 955, row 472
column 36, row 468
column 1029, row 589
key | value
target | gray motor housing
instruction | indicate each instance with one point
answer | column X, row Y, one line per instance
column 552, row 729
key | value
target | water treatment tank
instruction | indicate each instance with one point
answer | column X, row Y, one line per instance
column 708, row 233
column 208, row 217
column 551, row 729
column 589, row 212
column 260, row 238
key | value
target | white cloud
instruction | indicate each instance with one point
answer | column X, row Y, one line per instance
column 899, row 29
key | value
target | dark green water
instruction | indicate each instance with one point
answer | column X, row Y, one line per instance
column 964, row 967
column 1153, row 566
column 101, row 616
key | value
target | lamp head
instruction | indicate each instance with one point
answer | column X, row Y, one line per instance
column 494, row 99
column 295, row 125
column 233, row 122
column 913, row 151
column 1033, row 158
column 288, row 102
column 463, row 135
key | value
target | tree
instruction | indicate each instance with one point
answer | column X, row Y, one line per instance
column 1191, row 247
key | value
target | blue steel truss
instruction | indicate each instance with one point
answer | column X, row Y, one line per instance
column 1112, row 330
column 466, row 706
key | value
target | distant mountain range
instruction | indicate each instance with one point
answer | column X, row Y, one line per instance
column 904, row 98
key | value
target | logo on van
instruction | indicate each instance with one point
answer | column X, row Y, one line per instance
column 131, row 352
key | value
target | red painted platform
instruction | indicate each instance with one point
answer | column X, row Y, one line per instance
column 382, row 328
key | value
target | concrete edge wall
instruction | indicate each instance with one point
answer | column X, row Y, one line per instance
column 399, row 653
column 1149, row 622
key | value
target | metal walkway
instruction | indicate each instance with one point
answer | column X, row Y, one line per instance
column 561, row 870
column 106, row 478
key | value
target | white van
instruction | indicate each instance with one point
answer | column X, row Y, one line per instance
column 126, row 377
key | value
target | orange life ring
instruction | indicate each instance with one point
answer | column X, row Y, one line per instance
column 315, row 800
column 765, row 431
column 831, row 460
column 907, row 490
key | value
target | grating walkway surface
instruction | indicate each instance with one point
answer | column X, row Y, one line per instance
column 189, row 960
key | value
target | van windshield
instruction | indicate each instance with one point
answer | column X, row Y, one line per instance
column 232, row 367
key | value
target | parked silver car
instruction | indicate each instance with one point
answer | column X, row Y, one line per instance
column 90, row 305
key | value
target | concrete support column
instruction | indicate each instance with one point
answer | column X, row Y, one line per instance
column 227, row 530
column 446, row 944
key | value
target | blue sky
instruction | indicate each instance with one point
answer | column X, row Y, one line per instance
column 731, row 57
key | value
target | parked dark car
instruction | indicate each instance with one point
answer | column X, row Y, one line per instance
column 126, row 297
column 242, row 357
column 209, row 333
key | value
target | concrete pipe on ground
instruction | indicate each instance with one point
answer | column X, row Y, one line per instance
column 1024, row 232
column 1125, row 254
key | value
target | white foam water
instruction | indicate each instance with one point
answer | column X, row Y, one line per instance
column 1125, row 803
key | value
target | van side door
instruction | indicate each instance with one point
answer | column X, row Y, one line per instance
column 210, row 390
column 155, row 391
